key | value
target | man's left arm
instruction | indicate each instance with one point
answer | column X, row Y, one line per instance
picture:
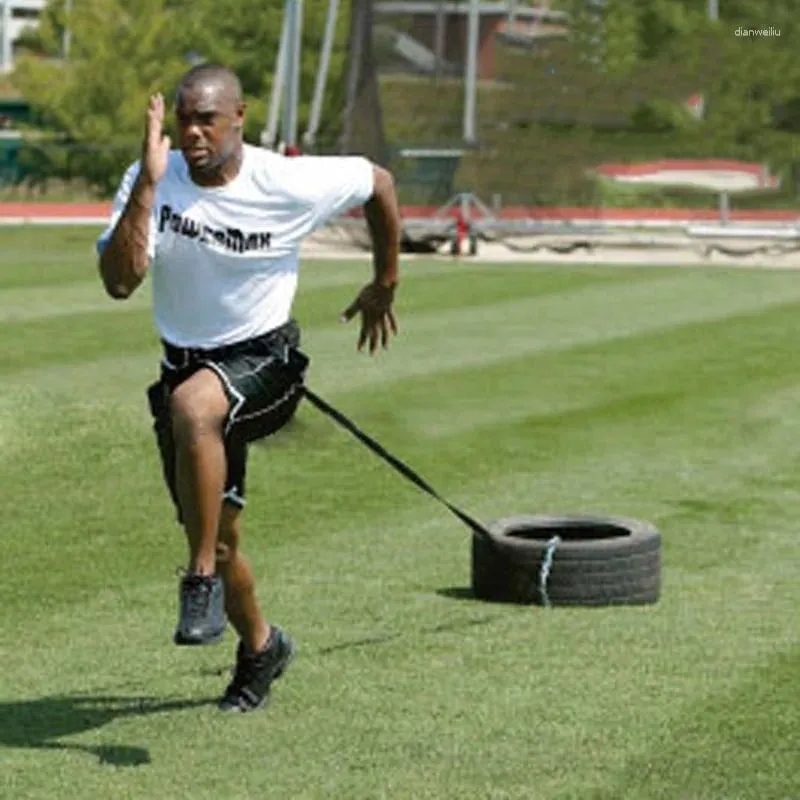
column 328, row 186
column 375, row 300
column 383, row 219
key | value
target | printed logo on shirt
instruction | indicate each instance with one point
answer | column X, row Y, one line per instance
column 231, row 238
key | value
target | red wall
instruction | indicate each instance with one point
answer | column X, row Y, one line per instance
column 423, row 29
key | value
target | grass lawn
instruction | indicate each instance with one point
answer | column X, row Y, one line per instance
column 671, row 395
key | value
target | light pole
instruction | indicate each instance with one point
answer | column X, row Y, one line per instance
column 512, row 11
column 5, row 46
column 471, row 77
column 292, row 89
column 66, row 40
column 315, row 112
column 713, row 10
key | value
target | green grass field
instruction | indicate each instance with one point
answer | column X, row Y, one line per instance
column 671, row 395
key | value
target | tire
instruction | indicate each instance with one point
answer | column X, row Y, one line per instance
column 597, row 561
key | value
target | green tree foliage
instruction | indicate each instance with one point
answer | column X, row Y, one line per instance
column 123, row 50
column 245, row 34
column 606, row 34
column 750, row 83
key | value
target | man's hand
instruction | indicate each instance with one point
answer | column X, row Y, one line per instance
column 374, row 302
column 156, row 146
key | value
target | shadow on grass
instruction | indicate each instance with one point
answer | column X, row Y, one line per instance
column 466, row 593
column 371, row 641
column 292, row 431
column 458, row 593
column 39, row 724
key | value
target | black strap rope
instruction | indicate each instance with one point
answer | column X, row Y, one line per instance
column 395, row 462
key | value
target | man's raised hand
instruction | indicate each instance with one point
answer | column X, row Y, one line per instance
column 156, row 147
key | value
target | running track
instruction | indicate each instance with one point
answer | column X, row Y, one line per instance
column 97, row 213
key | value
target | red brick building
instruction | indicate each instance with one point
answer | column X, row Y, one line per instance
column 525, row 22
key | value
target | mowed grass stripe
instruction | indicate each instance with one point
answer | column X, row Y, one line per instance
column 623, row 435
column 586, row 314
column 74, row 339
column 323, row 288
column 32, row 255
column 593, row 379
column 570, row 394
column 401, row 689
column 639, row 479
column 663, row 364
column 49, row 295
column 384, row 625
column 612, row 670
column 45, row 321
column 439, row 286
column 496, row 332
column 47, row 301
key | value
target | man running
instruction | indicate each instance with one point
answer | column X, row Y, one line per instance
column 218, row 224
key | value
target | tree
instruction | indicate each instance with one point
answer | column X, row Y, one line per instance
column 124, row 50
column 245, row 35
column 121, row 52
column 751, row 84
column 605, row 32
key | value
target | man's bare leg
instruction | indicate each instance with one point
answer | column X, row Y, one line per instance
column 199, row 407
column 241, row 603
column 265, row 650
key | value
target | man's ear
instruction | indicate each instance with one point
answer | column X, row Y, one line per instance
column 240, row 115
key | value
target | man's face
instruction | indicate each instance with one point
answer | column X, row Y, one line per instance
column 209, row 126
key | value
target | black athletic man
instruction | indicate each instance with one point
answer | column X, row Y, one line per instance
column 218, row 225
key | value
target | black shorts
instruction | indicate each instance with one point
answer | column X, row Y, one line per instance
column 263, row 380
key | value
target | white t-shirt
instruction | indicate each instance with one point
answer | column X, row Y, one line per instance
column 225, row 260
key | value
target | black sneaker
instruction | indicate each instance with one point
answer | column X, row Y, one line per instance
column 255, row 673
column 202, row 610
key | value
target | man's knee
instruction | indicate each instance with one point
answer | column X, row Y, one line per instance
column 198, row 405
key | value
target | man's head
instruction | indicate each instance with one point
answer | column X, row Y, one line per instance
column 210, row 114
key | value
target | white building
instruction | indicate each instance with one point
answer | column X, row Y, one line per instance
column 15, row 16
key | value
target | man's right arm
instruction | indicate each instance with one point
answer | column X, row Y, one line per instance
column 127, row 247
column 125, row 256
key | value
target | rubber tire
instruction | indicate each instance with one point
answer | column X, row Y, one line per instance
column 600, row 561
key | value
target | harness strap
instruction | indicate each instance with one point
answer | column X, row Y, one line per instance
column 397, row 464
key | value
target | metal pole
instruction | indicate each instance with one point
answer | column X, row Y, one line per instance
column 439, row 41
column 713, row 10
column 322, row 75
column 512, row 11
column 471, row 76
column 5, row 43
column 294, row 42
column 271, row 129
column 358, row 21
column 67, row 38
